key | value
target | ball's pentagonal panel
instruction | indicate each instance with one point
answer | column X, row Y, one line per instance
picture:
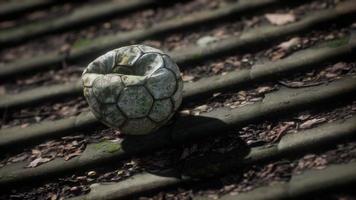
column 134, row 88
column 161, row 110
column 168, row 63
column 148, row 49
column 148, row 63
column 135, row 101
column 107, row 88
column 162, row 83
column 177, row 96
column 138, row 126
column 127, row 56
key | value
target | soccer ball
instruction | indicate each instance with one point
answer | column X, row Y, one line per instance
column 136, row 88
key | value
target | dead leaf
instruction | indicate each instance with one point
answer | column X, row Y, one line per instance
column 290, row 43
column 36, row 152
column 280, row 19
column 65, row 48
column 72, row 155
column 25, row 125
column 38, row 161
column 187, row 78
column 263, row 89
column 282, row 131
column 20, row 158
column 299, row 84
column 216, row 68
column 339, row 66
column 53, row 196
column 278, row 55
column 2, row 90
column 304, row 117
column 202, row 108
column 311, row 122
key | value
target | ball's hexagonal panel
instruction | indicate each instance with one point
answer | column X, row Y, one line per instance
column 112, row 115
column 168, row 63
column 96, row 67
column 107, row 88
column 177, row 96
column 138, row 126
column 148, row 49
column 162, row 83
column 127, row 56
column 147, row 64
column 135, row 101
column 89, row 78
column 130, row 80
column 108, row 60
column 161, row 110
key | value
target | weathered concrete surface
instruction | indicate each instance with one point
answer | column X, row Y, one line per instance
column 133, row 185
column 13, row 8
column 305, row 59
column 309, row 182
column 339, row 130
column 215, row 122
column 84, row 15
column 299, row 61
column 262, row 34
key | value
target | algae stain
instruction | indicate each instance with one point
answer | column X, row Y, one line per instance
column 81, row 43
column 338, row 42
column 107, row 146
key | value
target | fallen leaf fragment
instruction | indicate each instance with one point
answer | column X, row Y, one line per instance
column 38, row 161
column 290, row 43
column 263, row 89
column 280, row 19
column 187, row 78
column 202, row 108
column 2, row 90
column 72, row 155
column 20, row 158
column 311, row 122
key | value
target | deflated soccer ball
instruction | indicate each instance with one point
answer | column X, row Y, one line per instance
column 136, row 88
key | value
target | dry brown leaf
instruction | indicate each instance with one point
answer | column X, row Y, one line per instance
column 72, row 155
column 263, row 89
column 280, row 19
column 311, row 122
column 20, row 158
column 202, row 108
column 184, row 112
column 38, row 161
column 25, row 125
column 53, row 196
column 290, row 43
column 278, row 55
column 2, row 90
column 340, row 66
column 187, row 78
column 216, row 68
